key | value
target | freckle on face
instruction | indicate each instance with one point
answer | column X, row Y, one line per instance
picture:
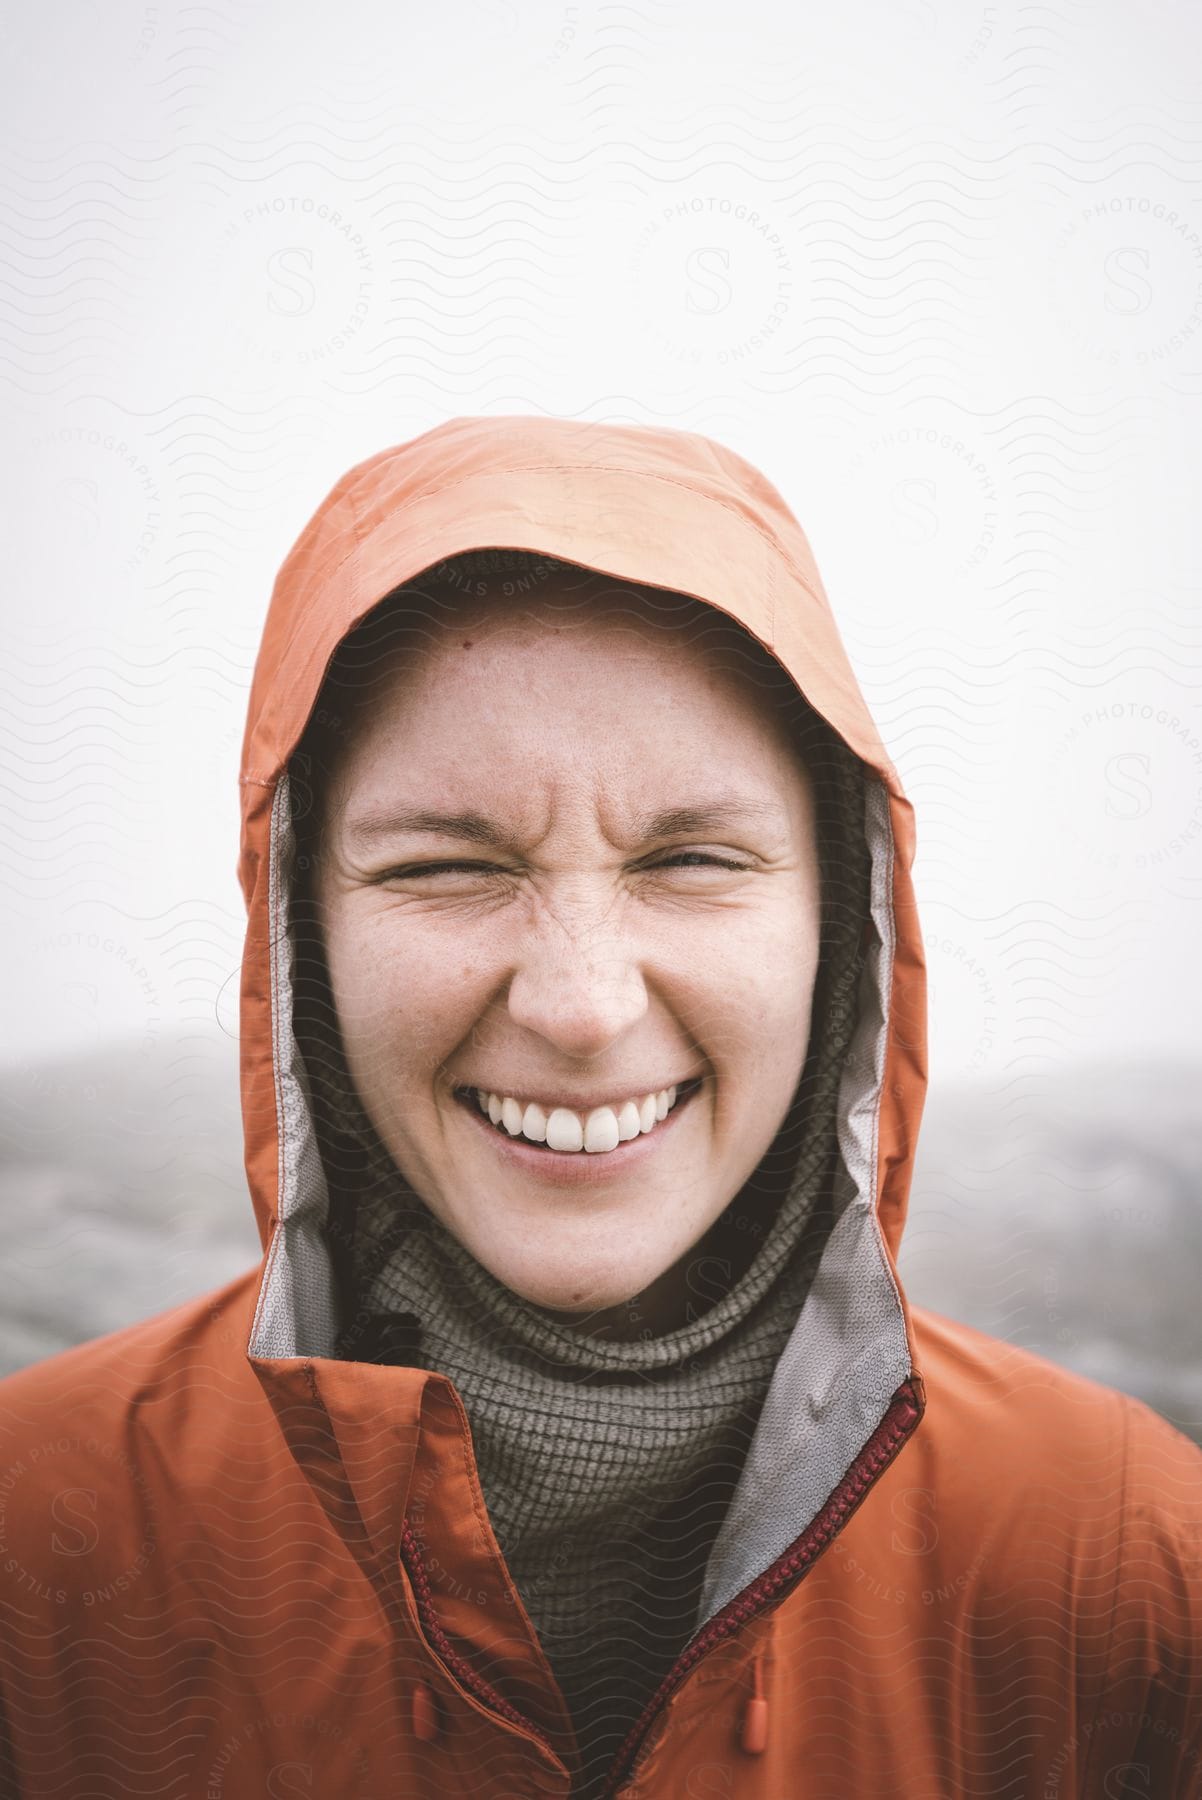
column 580, row 979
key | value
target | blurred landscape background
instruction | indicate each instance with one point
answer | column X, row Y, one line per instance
column 1062, row 1216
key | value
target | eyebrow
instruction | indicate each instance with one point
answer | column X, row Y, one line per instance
column 477, row 828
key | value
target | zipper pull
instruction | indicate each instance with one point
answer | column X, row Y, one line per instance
column 753, row 1739
column 425, row 1714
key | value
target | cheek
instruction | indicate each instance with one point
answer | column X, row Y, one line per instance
column 760, row 1051
column 758, row 1067
column 404, row 996
column 757, row 989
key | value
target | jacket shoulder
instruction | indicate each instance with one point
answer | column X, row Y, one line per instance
column 124, row 1365
column 1075, row 1502
column 1033, row 1447
column 982, row 1384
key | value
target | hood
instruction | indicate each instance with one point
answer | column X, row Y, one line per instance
column 669, row 509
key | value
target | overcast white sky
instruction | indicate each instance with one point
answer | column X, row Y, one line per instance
column 936, row 268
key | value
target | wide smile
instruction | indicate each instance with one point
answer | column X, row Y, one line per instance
column 569, row 1167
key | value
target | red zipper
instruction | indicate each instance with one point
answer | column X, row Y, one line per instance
column 904, row 1412
column 458, row 1665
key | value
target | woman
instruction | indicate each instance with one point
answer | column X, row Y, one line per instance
column 574, row 1435
column 582, row 1044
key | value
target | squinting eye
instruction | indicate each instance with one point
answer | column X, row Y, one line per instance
column 442, row 868
column 698, row 859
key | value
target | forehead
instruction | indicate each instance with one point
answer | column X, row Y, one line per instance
column 575, row 626
column 585, row 679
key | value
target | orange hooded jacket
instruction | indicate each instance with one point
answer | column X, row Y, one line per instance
column 233, row 1566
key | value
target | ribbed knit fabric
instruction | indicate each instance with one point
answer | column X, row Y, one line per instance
column 607, row 1466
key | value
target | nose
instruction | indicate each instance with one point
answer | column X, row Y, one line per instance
column 579, row 990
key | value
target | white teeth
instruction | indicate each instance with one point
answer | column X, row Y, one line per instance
column 534, row 1124
column 601, row 1129
column 628, row 1122
column 564, row 1130
column 604, row 1128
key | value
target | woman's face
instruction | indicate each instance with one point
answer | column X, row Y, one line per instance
column 570, row 862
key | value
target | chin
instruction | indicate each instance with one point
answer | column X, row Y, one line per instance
column 578, row 1290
